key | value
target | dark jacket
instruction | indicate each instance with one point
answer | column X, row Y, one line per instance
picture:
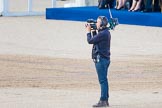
column 101, row 43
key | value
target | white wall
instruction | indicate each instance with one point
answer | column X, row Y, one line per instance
column 91, row 2
column 77, row 3
column 86, row 2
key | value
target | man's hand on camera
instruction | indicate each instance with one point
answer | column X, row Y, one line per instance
column 88, row 27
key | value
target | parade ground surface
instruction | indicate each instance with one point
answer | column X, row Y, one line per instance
column 47, row 64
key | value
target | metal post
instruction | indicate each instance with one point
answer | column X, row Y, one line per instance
column 30, row 6
column 5, row 6
column 1, row 7
column 53, row 3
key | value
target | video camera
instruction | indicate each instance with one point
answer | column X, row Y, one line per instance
column 92, row 23
column 111, row 23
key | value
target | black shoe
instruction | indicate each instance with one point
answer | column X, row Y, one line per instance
column 122, row 7
column 101, row 104
column 137, row 10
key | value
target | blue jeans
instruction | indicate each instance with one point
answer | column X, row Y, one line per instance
column 102, row 71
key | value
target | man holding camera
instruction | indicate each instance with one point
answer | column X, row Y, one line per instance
column 100, row 38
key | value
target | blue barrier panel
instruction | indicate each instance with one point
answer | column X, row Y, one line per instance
column 124, row 17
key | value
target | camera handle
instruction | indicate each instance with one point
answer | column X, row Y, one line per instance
column 110, row 11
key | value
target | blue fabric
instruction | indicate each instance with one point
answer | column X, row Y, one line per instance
column 102, row 71
column 124, row 17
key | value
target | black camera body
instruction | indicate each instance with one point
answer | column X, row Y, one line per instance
column 112, row 23
column 92, row 23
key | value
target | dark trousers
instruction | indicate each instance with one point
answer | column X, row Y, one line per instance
column 104, row 3
column 102, row 72
column 153, row 5
column 161, row 5
column 156, row 5
column 148, row 4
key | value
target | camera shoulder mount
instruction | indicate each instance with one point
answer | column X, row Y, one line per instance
column 113, row 22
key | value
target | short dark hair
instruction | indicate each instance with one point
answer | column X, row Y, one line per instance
column 104, row 21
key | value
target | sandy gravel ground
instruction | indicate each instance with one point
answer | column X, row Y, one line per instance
column 47, row 82
column 46, row 64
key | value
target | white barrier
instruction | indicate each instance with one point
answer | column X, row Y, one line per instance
column 1, row 7
column 4, row 9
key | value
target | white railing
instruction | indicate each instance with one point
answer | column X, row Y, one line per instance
column 4, row 9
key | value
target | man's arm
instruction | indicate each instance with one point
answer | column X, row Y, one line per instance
column 93, row 39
